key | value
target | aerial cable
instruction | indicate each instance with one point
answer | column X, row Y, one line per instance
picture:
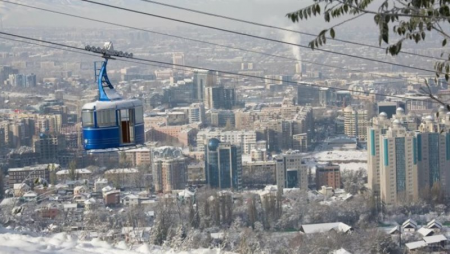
column 277, row 27
column 256, row 36
column 199, row 41
column 213, row 70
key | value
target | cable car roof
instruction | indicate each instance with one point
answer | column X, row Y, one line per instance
column 121, row 104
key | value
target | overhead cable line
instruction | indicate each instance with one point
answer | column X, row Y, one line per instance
column 255, row 36
column 201, row 68
column 196, row 40
column 278, row 28
column 96, row 55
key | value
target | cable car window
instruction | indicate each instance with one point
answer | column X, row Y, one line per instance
column 106, row 118
column 87, row 117
column 139, row 115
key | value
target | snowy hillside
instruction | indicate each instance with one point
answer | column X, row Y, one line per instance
column 15, row 243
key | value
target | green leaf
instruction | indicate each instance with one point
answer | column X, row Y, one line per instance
column 318, row 8
column 446, row 77
column 345, row 8
column 332, row 33
column 327, row 16
column 444, row 42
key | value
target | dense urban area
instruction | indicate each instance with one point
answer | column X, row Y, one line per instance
column 289, row 151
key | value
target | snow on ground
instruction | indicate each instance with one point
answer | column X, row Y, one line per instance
column 15, row 243
column 347, row 160
column 337, row 155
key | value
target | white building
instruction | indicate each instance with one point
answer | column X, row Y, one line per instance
column 197, row 113
column 291, row 172
column 356, row 123
column 245, row 139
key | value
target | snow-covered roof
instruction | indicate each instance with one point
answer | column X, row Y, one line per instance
column 101, row 180
column 112, row 192
column 122, row 171
column 130, row 196
column 8, row 201
column 119, row 104
column 30, row 194
column 434, row 224
column 425, row 231
column 90, row 201
column 324, row 227
column 435, row 239
column 107, row 188
column 79, row 188
column 409, row 223
column 77, row 171
column 341, row 251
column 393, row 230
column 71, row 205
column 18, row 186
column 141, row 149
column 416, row 245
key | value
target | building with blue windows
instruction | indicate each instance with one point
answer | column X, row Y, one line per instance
column 223, row 165
column 405, row 164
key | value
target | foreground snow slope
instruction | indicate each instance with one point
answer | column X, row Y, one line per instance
column 15, row 243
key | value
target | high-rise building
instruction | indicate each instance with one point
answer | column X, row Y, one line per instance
column 379, row 127
column 169, row 169
column 202, row 79
column 405, row 164
column 177, row 59
column 327, row 97
column 223, row 165
column 197, row 113
column 307, row 94
column 5, row 71
column 398, row 165
column 291, row 171
column 433, row 155
column 356, row 122
column 328, row 175
column 47, row 147
column 219, row 97
column 222, row 118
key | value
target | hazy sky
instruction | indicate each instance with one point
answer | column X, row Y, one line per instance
column 265, row 11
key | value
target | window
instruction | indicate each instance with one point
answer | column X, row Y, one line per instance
column 139, row 112
column 87, row 117
column 106, row 118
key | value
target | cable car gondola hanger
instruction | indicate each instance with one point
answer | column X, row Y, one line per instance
column 111, row 123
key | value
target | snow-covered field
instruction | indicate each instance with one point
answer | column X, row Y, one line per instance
column 324, row 156
column 15, row 243
column 347, row 160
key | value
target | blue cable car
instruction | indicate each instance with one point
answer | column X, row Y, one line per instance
column 111, row 122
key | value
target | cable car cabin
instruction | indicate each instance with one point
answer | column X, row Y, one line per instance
column 111, row 122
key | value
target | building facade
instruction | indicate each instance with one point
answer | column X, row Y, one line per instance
column 291, row 171
column 328, row 175
column 223, row 164
column 169, row 169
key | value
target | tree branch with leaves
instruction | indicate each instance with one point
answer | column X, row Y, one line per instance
column 406, row 19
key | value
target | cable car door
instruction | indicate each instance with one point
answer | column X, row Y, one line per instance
column 126, row 117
